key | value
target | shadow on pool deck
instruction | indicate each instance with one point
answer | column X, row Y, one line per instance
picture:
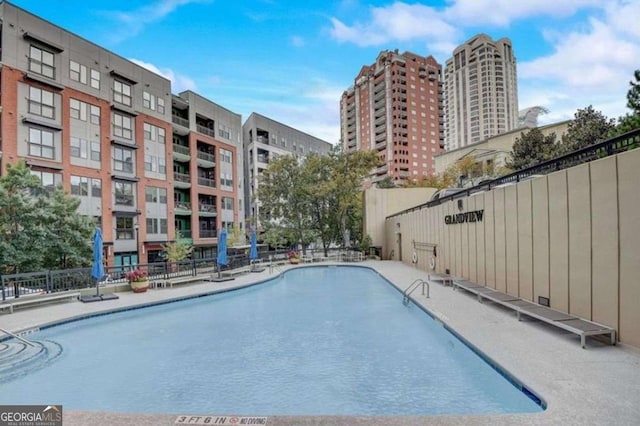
column 599, row 385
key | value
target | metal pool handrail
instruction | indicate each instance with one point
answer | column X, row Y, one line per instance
column 414, row 285
column 23, row 340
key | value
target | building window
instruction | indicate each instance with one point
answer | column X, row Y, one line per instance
column 79, row 186
column 79, row 147
column 154, row 133
column 155, row 164
column 122, row 126
column 77, row 72
column 122, row 160
column 225, row 156
column 124, row 193
column 124, row 228
column 95, row 79
column 161, row 108
column 153, row 102
column 94, row 114
column 41, row 102
column 49, row 180
column 121, row 92
column 41, row 143
column 224, row 131
column 152, row 226
column 42, row 62
column 78, row 109
column 226, row 179
column 96, row 188
column 227, row 203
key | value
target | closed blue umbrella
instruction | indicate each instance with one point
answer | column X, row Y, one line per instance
column 222, row 250
column 253, row 253
column 97, row 268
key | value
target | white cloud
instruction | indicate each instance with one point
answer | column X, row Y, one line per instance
column 179, row 82
column 131, row 23
column 397, row 22
column 297, row 41
column 503, row 12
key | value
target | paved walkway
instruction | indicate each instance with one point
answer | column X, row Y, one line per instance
column 599, row 385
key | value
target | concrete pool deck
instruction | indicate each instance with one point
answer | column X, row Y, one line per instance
column 599, row 385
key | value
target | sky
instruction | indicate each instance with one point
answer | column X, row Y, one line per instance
column 291, row 60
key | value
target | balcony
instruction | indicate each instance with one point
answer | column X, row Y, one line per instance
column 203, row 181
column 381, row 145
column 185, row 233
column 181, row 180
column 262, row 158
column 180, row 121
column 263, row 139
column 382, row 137
column 205, row 159
column 183, row 208
column 181, row 153
column 208, row 233
column 381, row 170
column 207, row 210
column 206, row 131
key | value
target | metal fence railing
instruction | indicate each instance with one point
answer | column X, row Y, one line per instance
column 53, row 281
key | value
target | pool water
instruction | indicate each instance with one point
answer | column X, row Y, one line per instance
column 316, row 341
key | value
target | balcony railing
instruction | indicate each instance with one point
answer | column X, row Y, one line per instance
column 263, row 159
column 205, row 130
column 124, row 200
column 208, row 233
column 206, row 182
column 208, row 208
column 184, row 233
column 182, row 177
column 206, row 156
column 183, row 205
column 181, row 149
column 181, row 121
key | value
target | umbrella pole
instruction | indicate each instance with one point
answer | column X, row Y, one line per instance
column 97, row 288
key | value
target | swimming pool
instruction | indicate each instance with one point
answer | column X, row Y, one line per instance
column 316, row 341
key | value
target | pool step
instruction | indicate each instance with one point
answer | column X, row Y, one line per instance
column 18, row 358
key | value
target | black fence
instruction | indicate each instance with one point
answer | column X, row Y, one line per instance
column 16, row 285
column 616, row 145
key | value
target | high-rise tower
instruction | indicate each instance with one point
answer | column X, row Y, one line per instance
column 395, row 108
column 481, row 91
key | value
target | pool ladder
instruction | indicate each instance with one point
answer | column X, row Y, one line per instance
column 15, row 336
column 414, row 285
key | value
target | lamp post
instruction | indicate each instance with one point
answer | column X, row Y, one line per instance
column 137, row 229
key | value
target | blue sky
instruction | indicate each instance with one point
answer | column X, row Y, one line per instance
column 291, row 60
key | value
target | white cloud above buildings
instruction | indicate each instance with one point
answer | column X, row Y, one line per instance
column 179, row 82
column 590, row 60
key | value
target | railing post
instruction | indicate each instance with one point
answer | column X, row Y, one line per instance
column 49, row 285
column 2, row 287
column 195, row 270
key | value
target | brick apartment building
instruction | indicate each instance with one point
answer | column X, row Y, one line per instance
column 99, row 125
column 395, row 108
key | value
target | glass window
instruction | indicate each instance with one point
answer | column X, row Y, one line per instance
column 49, row 180
column 163, row 226
column 41, row 143
column 96, row 188
column 122, row 126
column 95, row 79
column 95, row 114
column 123, row 193
column 161, row 105
column 122, row 159
column 77, row 72
column 121, row 92
column 124, row 228
column 152, row 226
column 41, row 102
column 42, row 62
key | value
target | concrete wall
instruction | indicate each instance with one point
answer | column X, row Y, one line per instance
column 380, row 203
column 571, row 236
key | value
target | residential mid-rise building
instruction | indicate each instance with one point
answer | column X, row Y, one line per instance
column 481, row 91
column 207, row 170
column 395, row 108
column 264, row 140
column 100, row 126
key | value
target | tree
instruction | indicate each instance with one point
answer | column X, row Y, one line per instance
column 587, row 128
column 39, row 229
column 177, row 250
column 283, row 196
column 386, row 183
column 633, row 95
column 531, row 148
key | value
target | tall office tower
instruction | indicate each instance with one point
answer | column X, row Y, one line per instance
column 207, row 171
column 481, row 91
column 264, row 140
column 395, row 108
column 100, row 126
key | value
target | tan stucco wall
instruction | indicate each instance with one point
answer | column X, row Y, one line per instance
column 501, row 144
column 380, row 203
column 572, row 236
